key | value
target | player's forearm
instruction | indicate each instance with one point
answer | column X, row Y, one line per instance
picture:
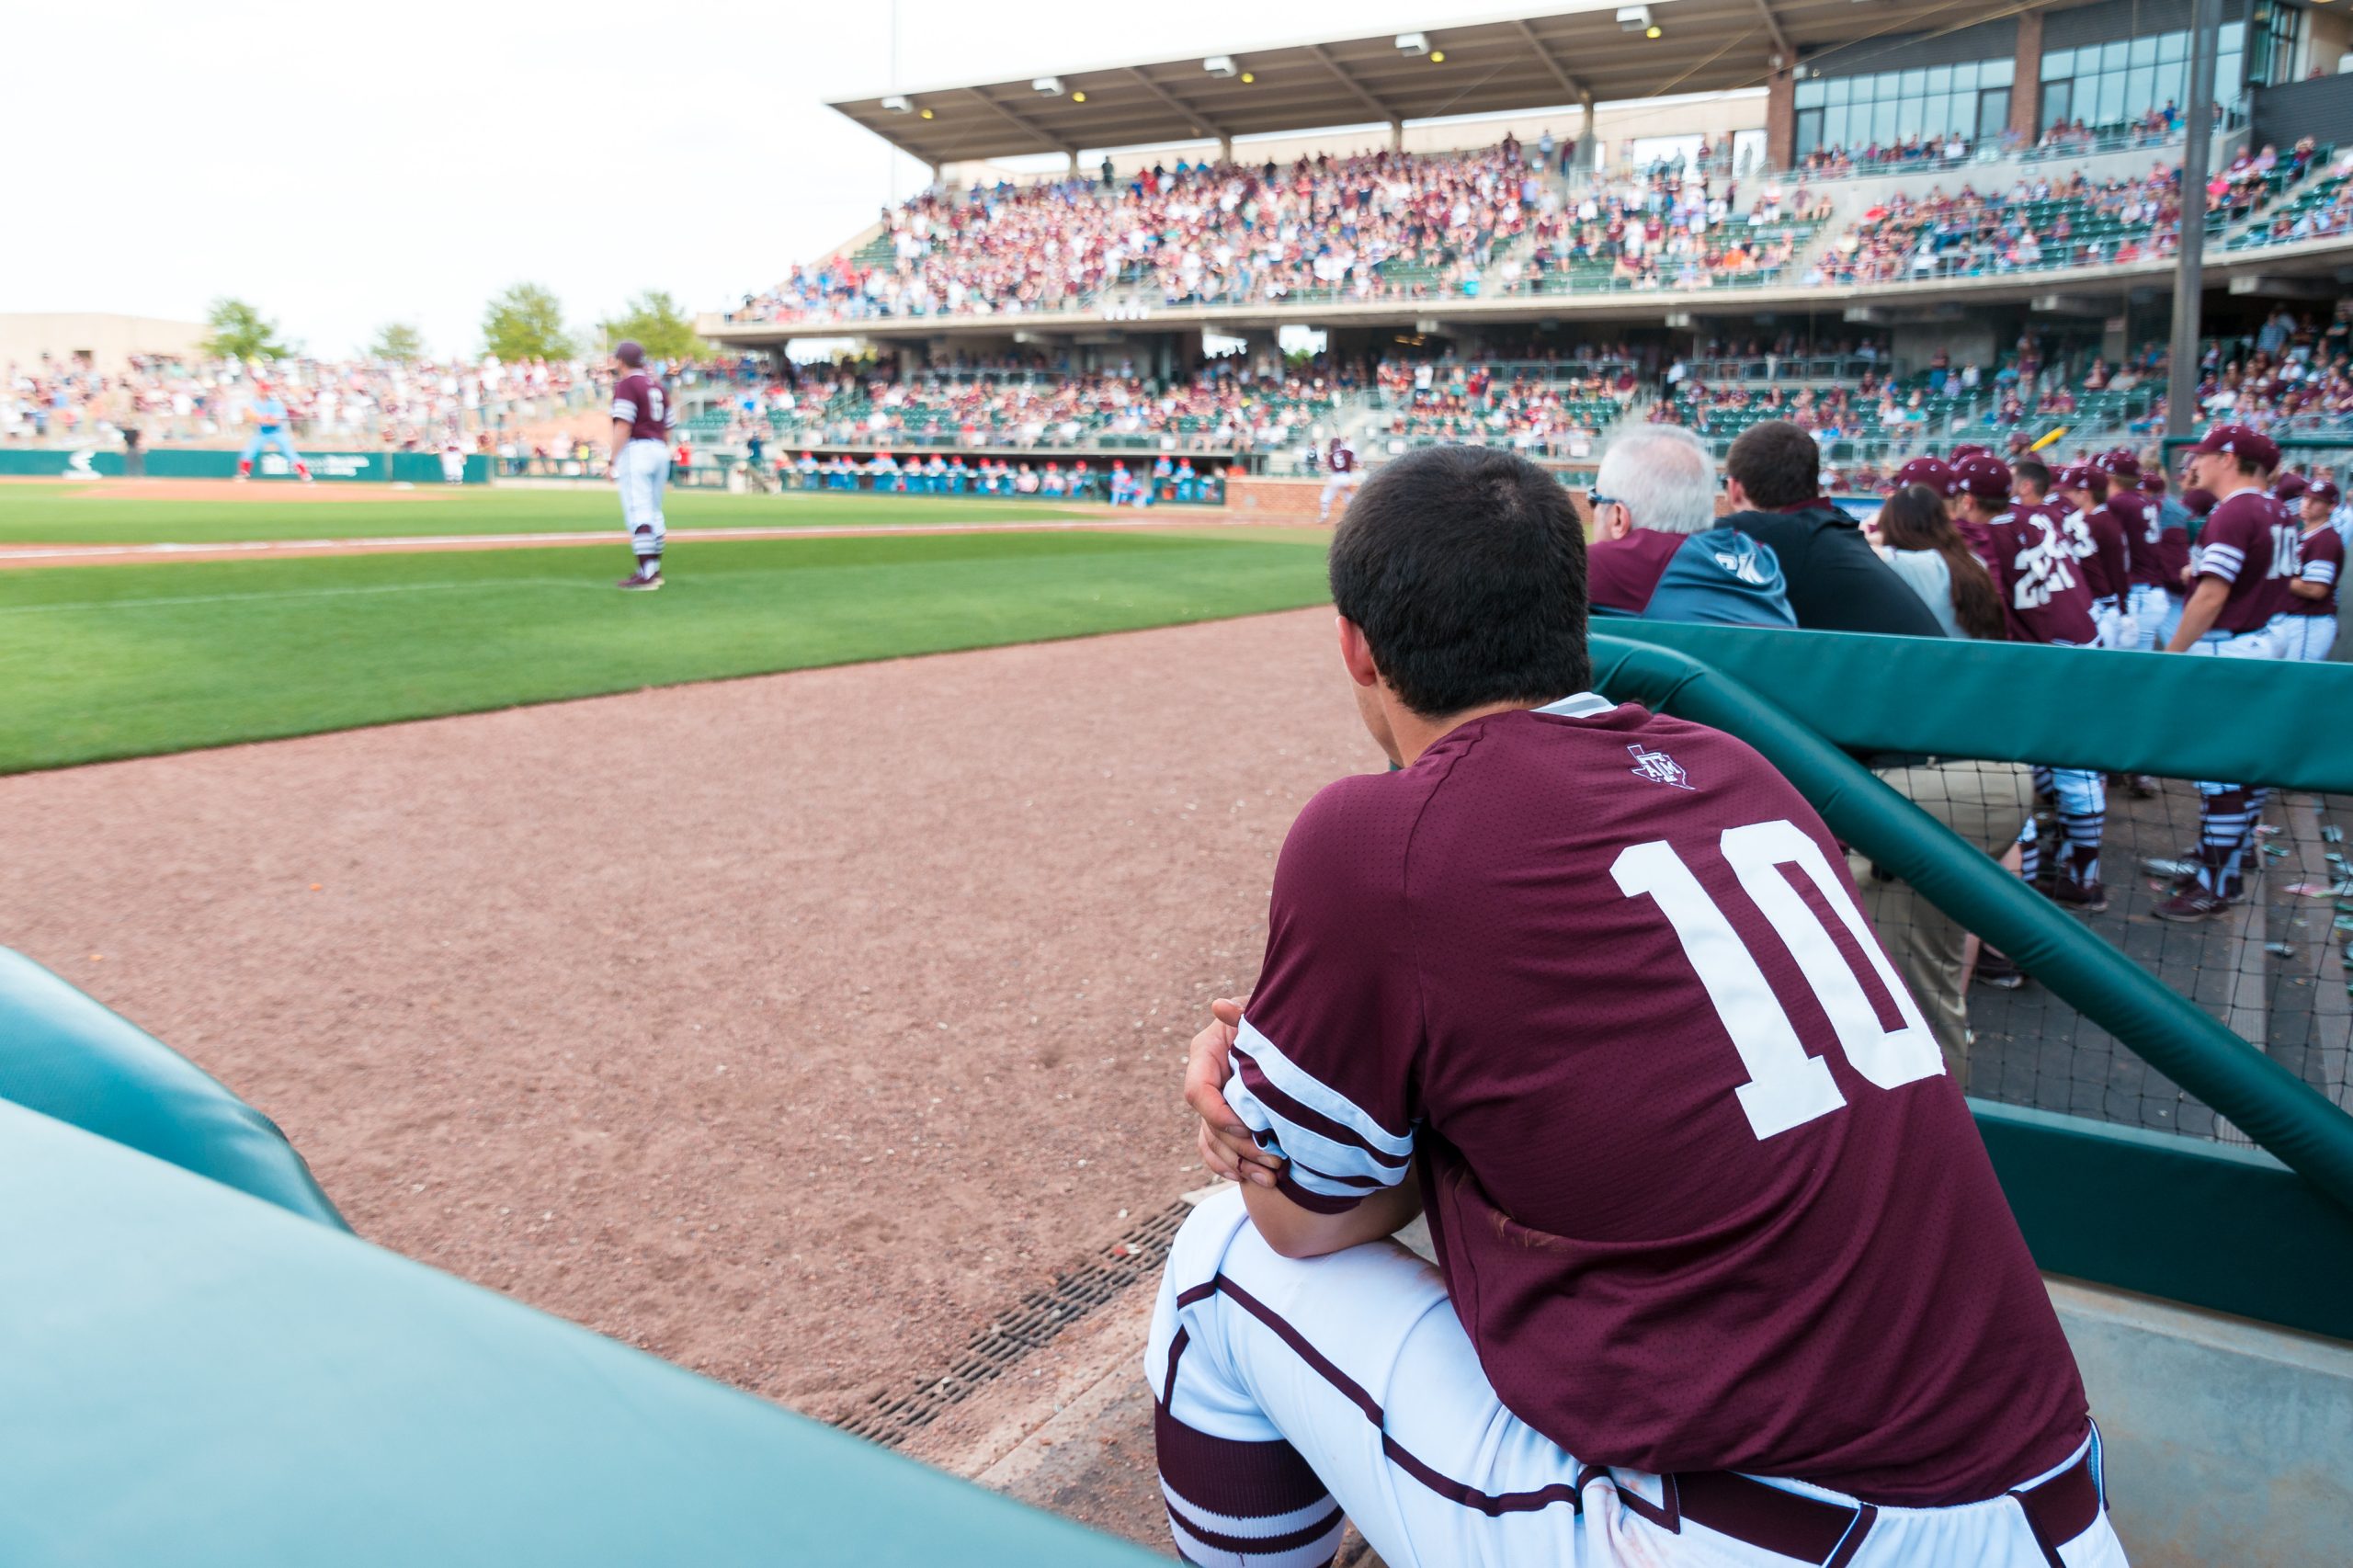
column 2304, row 590
column 620, row 436
column 2197, row 616
column 1294, row 1231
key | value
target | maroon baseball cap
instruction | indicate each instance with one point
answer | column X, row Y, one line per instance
column 2199, row 501
column 2289, row 486
column 1966, row 451
column 1934, row 473
column 2119, row 462
column 2241, row 442
column 2154, row 482
column 2082, row 476
column 1982, row 475
column 2324, row 491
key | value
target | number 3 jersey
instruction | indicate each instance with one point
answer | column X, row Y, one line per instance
column 1703, row 1194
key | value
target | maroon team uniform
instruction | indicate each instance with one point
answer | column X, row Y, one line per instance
column 2044, row 597
column 2252, row 543
column 1702, row 1192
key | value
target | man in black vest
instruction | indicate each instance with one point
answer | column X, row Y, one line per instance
column 1836, row 581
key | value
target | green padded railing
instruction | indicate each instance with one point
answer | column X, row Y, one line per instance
column 197, row 1379
column 64, row 1055
column 1914, row 695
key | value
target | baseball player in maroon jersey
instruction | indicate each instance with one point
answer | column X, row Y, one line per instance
column 2093, row 535
column 2248, row 556
column 1723, row 1275
column 641, row 460
column 2311, row 630
column 2045, row 599
column 1340, row 460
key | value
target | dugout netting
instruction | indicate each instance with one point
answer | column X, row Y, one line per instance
column 2273, row 968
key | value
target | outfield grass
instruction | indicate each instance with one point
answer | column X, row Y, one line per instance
column 100, row 514
column 126, row 661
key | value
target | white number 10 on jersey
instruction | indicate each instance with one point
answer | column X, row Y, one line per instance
column 1786, row 1086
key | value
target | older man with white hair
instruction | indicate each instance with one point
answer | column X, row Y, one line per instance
column 1654, row 549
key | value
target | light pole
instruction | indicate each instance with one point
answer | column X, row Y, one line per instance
column 2197, row 136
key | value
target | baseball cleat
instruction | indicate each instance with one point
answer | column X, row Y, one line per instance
column 2089, row 898
column 1994, row 968
column 633, row 584
column 2141, row 787
column 2190, row 905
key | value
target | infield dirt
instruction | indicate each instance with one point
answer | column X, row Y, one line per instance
column 788, row 1027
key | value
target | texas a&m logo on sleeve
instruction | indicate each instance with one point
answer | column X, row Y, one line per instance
column 1657, row 767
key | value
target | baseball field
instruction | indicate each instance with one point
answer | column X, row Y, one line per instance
column 796, row 1008
column 351, row 619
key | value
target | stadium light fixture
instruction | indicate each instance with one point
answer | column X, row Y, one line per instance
column 927, row 114
column 1078, row 97
column 1634, row 19
column 1437, row 57
column 895, row 103
column 1047, row 86
column 1651, row 32
column 1413, row 43
column 1220, row 65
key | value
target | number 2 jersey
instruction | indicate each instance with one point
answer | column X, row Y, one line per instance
column 2044, row 595
column 1703, row 1193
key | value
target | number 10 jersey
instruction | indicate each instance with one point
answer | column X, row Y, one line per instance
column 1703, row 1194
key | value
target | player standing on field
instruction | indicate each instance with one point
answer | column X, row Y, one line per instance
column 641, row 458
column 2312, row 620
column 2248, row 554
column 1724, row 1274
column 1341, row 460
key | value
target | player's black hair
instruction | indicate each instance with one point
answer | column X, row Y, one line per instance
column 1464, row 568
column 1776, row 463
column 2032, row 473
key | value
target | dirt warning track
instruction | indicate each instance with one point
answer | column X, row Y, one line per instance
column 794, row 1027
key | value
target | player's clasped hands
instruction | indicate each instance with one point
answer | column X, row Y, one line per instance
column 1227, row 1148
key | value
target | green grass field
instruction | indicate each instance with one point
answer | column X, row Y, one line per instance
column 99, row 514
column 105, row 661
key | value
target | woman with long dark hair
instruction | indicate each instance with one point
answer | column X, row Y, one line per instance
column 1930, row 555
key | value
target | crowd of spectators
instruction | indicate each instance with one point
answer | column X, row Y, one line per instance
column 1553, row 410
column 1375, row 225
column 2044, row 220
column 1667, row 226
column 1222, row 406
column 405, row 404
column 2032, row 223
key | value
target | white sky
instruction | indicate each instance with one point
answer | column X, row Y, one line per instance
column 344, row 165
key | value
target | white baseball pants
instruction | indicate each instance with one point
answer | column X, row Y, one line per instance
column 2309, row 638
column 640, row 470
column 1347, row 1384
column 2146, row 605
column 1338, row 484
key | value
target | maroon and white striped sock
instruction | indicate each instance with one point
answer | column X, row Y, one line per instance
column 1243, row 1504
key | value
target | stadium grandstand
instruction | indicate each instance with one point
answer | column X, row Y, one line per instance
column 1956, row 222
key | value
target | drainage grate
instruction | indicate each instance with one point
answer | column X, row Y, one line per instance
column 891, row 1419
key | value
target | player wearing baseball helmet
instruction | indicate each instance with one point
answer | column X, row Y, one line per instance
column 1654, row 1291
column 2248, row 556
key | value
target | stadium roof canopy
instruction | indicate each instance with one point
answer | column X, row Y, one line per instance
column 1562, row 55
